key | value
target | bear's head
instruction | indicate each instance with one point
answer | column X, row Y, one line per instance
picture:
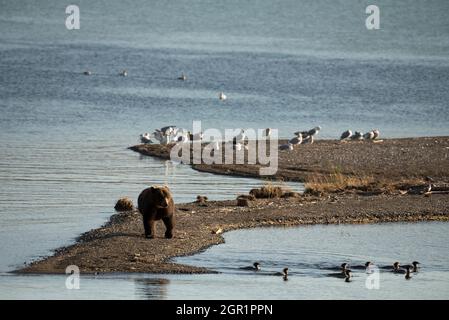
column 161, row 196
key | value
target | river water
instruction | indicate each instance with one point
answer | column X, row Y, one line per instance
column 283, row 64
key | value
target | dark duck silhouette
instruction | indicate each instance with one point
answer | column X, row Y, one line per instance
column 407, row 274
column 362, row 267
column 284, row 274
column 347, row 275
column 414, row 266
column 254, row 267
column 397, row 268
column 343, row 273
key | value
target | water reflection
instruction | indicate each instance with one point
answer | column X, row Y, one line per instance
column 151, row 288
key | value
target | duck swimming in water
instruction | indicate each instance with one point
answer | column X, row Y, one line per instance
column 254, row 267
column 362, row 267
column 413, row 266
column 344, row 267
column 343, row 271
column 397, row 268
column 407, row 274
column 347, row 275
column 285, row 274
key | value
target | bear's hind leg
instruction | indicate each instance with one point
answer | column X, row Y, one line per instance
column 169, row 224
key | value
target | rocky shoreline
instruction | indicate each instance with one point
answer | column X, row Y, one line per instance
column 119, row 245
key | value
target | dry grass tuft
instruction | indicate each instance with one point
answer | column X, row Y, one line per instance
column 124, row 204
column 336, row 182
column 319, row 184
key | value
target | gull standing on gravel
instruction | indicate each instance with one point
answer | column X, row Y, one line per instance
column 296, row 140
column 308, row 139
column 346, row 135
column 376, row 134
column 314, row 131
column 301, row 134
column 287, row 146
column 357, row 136
column 369, row 135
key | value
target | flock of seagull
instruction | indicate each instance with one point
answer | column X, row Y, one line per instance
column 301, row 137
column 370, row 135
column 173, row 134
column 345, row 271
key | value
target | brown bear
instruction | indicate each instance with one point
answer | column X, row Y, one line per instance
column 156, row 203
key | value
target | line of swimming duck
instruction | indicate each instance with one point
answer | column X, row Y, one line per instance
column 345, row 271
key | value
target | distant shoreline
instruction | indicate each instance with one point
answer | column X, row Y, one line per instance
column 119, row 245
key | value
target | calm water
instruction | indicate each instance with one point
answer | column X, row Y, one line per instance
column 283, row 64
column 307, row 251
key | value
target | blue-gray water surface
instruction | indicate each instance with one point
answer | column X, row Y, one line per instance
column 284, row 64
column 310, row 253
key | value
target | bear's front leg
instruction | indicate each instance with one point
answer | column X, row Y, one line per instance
column 169, row 224
column 148, row 225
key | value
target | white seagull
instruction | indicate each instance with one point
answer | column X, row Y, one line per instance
column 222, row 96
column 183, row 77
column 145, row 138
column 124, row 73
